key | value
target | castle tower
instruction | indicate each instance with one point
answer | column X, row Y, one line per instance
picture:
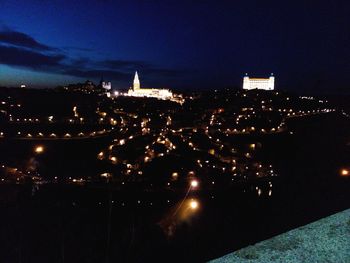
column 246, row 83
column 136, row 84
column 272, row 82
column 258, row 83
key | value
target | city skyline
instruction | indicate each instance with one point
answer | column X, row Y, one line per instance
column 174, row 131
column 176, row 45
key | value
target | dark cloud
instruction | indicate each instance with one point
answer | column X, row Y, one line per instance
column 30, row 59
column 144, row 67
column 21, row 50
column 164, row 72
column 33, row 60
column 82, row 67
column 78, row 49
column 4, row 27
column 79, row 62
column 96, row 74
column 22, row 40
column 123, row 64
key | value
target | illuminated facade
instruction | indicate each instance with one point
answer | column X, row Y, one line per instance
column 259, row 83
column 137, row 91
column 107, row 85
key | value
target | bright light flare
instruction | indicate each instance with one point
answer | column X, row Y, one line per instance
column 100, row 155
column 344, row 172
column 106, row 175
column 194, row 183
column 39, row 149
column 113, row 159
column 194, row 204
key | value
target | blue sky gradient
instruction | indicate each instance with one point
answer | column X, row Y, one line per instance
column 176, row 44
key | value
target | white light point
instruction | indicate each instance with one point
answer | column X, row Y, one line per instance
column 194, row 183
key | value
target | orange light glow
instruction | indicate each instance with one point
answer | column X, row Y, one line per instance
column 193, row 204
column 344, row 172
column 39, row 149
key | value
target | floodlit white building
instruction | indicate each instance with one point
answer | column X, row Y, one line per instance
column 258, row 83
column 137, row 91
column 107, row 85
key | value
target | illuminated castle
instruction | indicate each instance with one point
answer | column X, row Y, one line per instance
column 258, row 83
column 136, row 91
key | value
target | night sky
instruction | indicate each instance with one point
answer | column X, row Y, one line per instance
column 176, row 44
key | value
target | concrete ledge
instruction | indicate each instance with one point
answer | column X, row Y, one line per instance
column 326, row 240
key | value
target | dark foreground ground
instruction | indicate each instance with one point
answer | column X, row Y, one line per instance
column 326, row 240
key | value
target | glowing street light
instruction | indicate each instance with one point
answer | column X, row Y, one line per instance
column 100, row 155
column 194, row 204
column 39, row 149
column 344, row 172
column 113, row 159
column 194, row 183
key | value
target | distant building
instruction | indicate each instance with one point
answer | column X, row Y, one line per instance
column 87, row 87
column 258, row 83
column 137, row 91
column 107, row 85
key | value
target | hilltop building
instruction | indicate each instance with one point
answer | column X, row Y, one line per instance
column 137, row 91
column 106, row 86
column 258, row 83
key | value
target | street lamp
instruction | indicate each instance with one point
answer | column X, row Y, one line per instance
column 39, row 149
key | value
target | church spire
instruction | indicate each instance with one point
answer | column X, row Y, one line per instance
column 136, row 81
column 101, row 80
